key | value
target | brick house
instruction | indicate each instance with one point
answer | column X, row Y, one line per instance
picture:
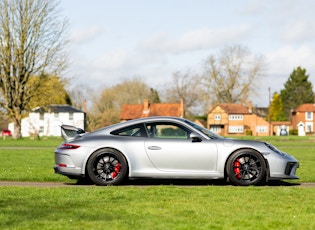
column 133, row 111
column 303, row 118
column 236, row 119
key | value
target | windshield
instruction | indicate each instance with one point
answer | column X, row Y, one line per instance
column 205, row 131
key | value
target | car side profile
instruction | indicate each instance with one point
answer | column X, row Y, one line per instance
column 167, row 148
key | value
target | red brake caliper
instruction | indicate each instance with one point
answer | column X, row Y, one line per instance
column 116, row 170
column 236, row 169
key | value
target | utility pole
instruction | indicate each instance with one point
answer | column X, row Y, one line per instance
column 269, row 115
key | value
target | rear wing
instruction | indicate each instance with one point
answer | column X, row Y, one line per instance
column 69, row 132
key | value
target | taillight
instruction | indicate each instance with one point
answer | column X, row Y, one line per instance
column 68, row 146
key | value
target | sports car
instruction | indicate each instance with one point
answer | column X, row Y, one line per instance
column 167, row 148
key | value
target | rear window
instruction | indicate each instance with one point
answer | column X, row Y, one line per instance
column 131, row 131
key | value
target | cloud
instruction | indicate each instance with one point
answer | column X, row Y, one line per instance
column 253, row 8
column 287, row 58
column 298, row 31
column 114, row 59
column 194, row 40
column 85, row 35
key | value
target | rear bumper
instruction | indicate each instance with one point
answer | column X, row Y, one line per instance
column 66, row 164
column 68, row 171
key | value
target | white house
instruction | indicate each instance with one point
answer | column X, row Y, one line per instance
column 46, row 121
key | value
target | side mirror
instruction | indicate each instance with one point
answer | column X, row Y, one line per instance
column 195, row 137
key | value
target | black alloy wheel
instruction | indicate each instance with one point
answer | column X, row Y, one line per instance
column 107, row 167
column 246, row 167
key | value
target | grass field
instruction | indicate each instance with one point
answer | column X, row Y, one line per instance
column 165, row 206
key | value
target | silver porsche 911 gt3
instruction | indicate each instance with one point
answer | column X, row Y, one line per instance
column 167, row 147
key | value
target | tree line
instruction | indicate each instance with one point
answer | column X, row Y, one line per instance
column 297, row 90
column 32, row 63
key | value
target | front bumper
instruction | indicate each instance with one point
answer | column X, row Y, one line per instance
column 291, row 168
column 283, row 168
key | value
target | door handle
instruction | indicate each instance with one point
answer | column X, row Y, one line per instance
column 154, row 148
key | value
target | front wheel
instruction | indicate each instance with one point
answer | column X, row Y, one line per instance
column 107, row 167
column 246, row 167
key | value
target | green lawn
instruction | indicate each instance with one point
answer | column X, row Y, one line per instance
column 165, row 206
column 157, row 207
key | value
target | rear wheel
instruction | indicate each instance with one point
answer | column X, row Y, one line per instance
column 107, row 167
column 246, row 167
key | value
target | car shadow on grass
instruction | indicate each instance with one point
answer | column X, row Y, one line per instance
column 187, row 182
column 183, row 182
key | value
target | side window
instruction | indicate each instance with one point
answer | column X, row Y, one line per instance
column 131, row 131
column 167, row 130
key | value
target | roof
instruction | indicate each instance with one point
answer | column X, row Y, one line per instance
column 165, row 109
column 129, row 112
column 133, row 111
column 305, row 108
column 233, row 108
column 56, row 109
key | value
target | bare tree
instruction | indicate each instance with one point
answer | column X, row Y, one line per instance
column 232, row 75
column 80, row 94
column 185, row 85
column 107, row 105
column 32, row 38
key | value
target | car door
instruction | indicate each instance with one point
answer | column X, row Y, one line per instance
column 169, row 148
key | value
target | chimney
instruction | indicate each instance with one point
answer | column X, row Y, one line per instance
column 250, row 107
column 182, row 107
column 84, row 106
column 146, row 106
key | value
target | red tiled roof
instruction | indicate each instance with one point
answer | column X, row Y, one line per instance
column 234, row 108
column 165, row 110
column 305, row 108
column 129, row 112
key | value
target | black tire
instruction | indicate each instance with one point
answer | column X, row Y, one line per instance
column 246, row 167
column 107, row 167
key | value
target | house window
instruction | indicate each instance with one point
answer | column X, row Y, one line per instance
column 309, row 116
column 215, row 128
column 41, row 116
column 309, row 127
column 236, row 117
column 41, row 130
column 217, row 117
column 236, row 129
column 262, row 129
column 70, row 116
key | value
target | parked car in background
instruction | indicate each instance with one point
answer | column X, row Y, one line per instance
column 6, row 133
column 167, row 147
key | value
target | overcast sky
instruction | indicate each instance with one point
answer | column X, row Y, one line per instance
column 113, row 40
